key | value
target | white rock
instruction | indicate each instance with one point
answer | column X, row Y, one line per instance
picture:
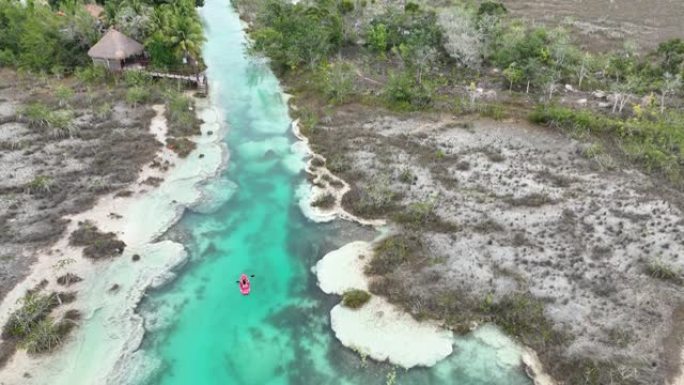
column 489, row 95
column 599, row 94
column 384, row 332
column 378, row 329
column 342, row 269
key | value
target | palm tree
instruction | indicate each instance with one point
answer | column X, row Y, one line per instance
column 188, row 39
column 178, row 28
column 111, row 9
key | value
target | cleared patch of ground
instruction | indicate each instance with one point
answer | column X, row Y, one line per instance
column 608, row 23
column 519, row 225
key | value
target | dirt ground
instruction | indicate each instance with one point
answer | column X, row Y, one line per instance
column 608, row 23
column 525, row 210
column 45, row 175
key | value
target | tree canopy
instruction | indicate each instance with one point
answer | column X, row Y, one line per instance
column 56, row 36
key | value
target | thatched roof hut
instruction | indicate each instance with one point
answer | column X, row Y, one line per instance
column 114, row 49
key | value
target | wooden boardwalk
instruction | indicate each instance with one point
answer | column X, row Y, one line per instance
column 199, row 79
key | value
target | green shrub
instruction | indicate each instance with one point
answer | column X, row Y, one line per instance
column 338, row 164
column 308, row 119
column 568, row 118
column 493, row 111
column 402, row 92
column 670, row 56
column 660, row 270
column 181, row 146
column 34, row 308
column 92, row 74
column 374, row 200
column 654, row 140
column 417, row 28
column 180, row 112
column 64, row 95
column 292, row 35
column 411, row 7
column 491, row 8
column 522, row 316
column 355, row 298
column 137, row 78
column 417, row 214
column 62, row 123
column 393, row 252
column 406, row 177
column 335, row 81
column 534, row 57
column 35, row 38
column 104, row 111
column 97, row 244
column 346, row 6
column 7, row 58
column 44, row 337
column 37, row 114
column 376, row 38
column 137, row 95
column 39, row 185
column 325, row 201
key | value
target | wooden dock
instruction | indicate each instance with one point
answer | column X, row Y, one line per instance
column 199, row 79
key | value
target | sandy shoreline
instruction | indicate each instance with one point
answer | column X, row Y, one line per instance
column 308, row 192
column 138, row 221
column 378, row 329
column 352, row 327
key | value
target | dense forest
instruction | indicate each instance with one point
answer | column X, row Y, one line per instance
column 54, row 38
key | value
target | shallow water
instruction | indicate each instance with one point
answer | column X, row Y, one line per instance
column 201, row 329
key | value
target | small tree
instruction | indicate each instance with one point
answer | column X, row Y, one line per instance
column 377, row 38
column 620, row 89
column 513, row 74
column 670, row 85
column 548, row 79
column 336, row 80
column 463, row 40
column 583, row 69
column 423, row 58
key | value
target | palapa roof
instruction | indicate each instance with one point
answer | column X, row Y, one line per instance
column 115, row 45
column 94, row 10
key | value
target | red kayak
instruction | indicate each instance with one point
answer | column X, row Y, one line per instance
column 244, row 284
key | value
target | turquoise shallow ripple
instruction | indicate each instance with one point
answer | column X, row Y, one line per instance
column 280, row 333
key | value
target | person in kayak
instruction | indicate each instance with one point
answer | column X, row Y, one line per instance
column 244, row 284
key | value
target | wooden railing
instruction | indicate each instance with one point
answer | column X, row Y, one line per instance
column 199, row 79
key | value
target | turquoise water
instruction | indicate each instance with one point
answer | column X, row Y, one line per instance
column 201, row 328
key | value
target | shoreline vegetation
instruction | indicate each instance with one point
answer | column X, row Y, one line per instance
column 356, row 68
column 72, row 133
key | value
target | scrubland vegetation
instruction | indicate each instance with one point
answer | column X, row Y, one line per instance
column 76, row 131
column 459, row 58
